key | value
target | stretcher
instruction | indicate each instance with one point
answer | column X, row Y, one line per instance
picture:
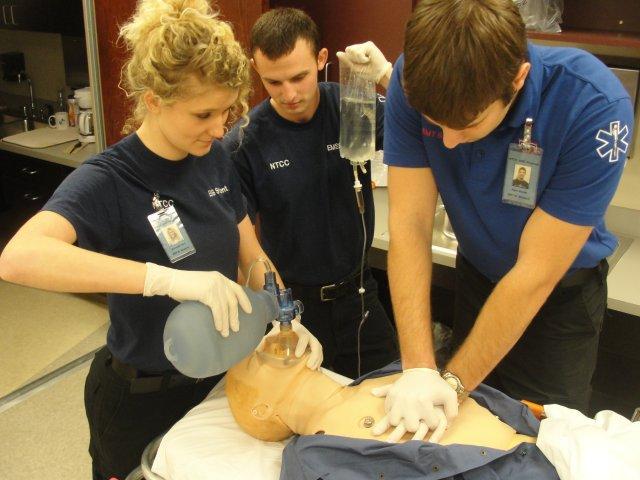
column 222, row 450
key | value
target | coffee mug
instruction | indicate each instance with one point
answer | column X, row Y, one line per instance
column 59, row 120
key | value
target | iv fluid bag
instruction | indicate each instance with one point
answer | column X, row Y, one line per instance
column 196, row 349
column 357, row 113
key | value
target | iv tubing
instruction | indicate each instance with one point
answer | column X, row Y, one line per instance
column 357, row 186
column 253, row 264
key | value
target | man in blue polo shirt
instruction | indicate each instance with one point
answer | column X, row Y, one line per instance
column 469, row 104
column 301, row 190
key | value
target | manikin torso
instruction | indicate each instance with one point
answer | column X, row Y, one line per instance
column 272, row 398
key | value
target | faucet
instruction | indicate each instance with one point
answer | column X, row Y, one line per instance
column 23, row 77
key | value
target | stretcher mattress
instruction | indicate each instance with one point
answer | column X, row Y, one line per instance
column 208, row 444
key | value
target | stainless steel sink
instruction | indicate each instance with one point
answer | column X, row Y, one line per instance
column 13, row 125
column 440, row 238
column 10, row 126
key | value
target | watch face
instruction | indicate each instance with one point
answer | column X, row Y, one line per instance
column 452, row 382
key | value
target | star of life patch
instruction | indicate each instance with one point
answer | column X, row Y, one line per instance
column 613, row 142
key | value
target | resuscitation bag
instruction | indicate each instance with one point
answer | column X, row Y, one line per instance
column 196, row 349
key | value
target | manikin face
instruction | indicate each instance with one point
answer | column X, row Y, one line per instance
column 292, row 80
column 487, row 121
column 258, row 389
column 521, row 173
column 190, row 125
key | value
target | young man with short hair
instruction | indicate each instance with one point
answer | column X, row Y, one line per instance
column 468, row 101
column 302, row 190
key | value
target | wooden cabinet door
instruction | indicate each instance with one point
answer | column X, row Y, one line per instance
column 109, row 14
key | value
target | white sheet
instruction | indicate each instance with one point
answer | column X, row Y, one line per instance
column 582, row 448
column 207, row 444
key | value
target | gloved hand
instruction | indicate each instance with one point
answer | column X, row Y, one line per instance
column 213, row 289
column 305, row 338
column 419, row 401
column 366, row 58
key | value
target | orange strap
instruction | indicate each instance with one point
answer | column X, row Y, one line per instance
column 537, row 410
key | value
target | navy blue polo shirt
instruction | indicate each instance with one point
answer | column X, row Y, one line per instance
column 576, row 104
column 108, row 199
column 293, row 176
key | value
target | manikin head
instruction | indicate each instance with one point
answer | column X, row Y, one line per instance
column 287, row 56
column 259, row 390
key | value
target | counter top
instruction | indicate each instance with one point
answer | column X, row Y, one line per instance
column 624, row 294
column 443, row 249
column 624, row 263
column 56, row 154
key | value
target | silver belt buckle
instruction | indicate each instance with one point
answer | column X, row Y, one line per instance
column 322, row 290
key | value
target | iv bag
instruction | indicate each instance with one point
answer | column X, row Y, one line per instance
column 357, row 113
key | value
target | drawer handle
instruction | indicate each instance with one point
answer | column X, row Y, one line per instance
column 32, row 197
column 29, row 171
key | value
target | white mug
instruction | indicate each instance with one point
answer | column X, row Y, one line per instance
column 60, row 120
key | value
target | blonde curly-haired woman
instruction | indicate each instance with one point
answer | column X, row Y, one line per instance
column 166, row 195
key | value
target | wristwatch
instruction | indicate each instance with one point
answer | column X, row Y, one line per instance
column 455, row 383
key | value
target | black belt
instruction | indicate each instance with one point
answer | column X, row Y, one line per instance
column 581, row 275
column 572, row 279
column 333, row 291
column 141, row 382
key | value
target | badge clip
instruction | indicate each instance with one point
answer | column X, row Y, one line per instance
column 526, row 145
column 155, row 202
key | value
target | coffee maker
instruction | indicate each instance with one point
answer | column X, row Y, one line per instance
column 84, row 100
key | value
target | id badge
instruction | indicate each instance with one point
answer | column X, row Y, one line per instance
column 172, row 235
column 522, row 171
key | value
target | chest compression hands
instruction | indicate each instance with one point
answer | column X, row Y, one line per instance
column 419, row 401
column 212, row 288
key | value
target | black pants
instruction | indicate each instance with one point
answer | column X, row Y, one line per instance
column 335, row 325
column 554, row 360
column 122, row 424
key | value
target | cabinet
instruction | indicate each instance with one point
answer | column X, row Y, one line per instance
column 616, row 381
column 25, row 186
column 56, row 16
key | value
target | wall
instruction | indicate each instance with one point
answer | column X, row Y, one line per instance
column 344, row 23
column 44, row 63
column 109, row 14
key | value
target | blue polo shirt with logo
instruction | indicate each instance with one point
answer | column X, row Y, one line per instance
column 294, row 178
column 583, row 119
column 108, row 200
